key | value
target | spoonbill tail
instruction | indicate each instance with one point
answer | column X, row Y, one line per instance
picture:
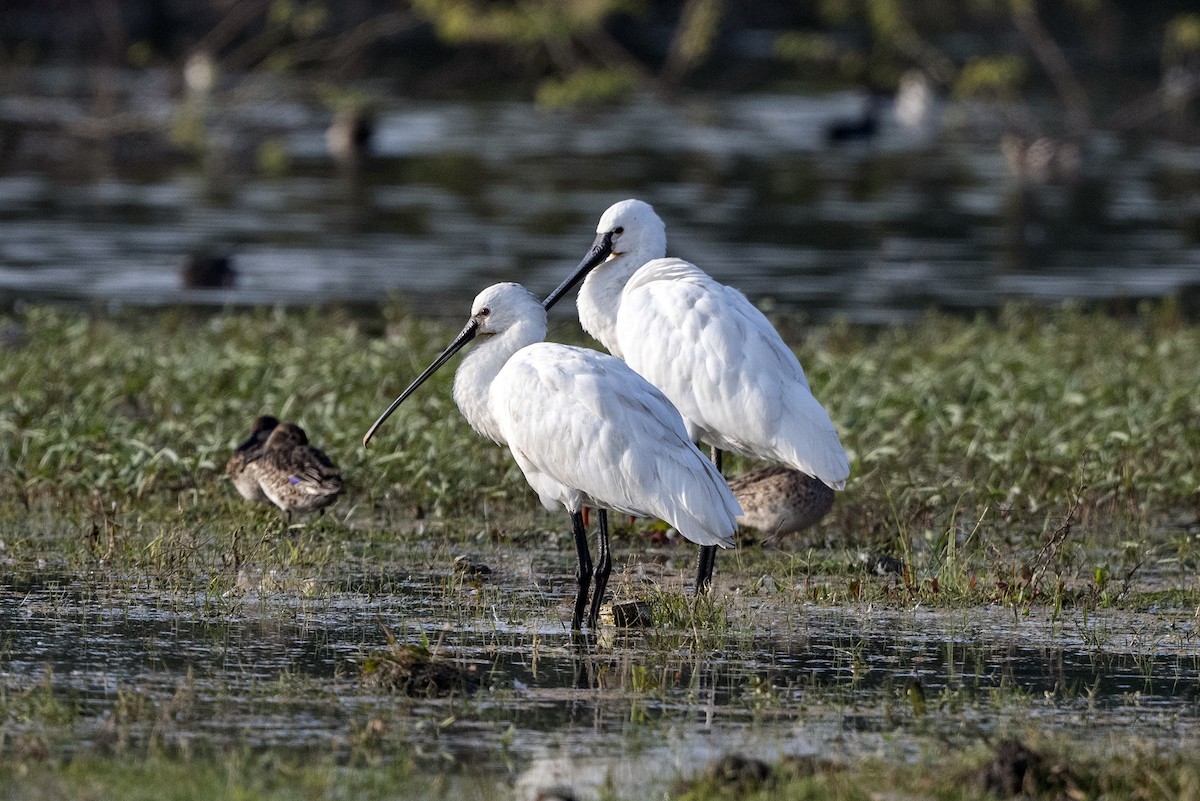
column 711, row 352
column 585, row 429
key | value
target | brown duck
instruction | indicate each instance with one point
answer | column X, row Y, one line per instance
column 238, row 468
column 294, row 475
column 780, row 500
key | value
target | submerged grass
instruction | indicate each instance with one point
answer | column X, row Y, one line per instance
column 245, row 776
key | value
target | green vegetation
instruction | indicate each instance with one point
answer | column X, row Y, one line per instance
column 589, row 51
column 105, row 411
column 241, row 776
column 1041, row 456
column 1034, row 469
column 986, row 453
column 1072, row 773
column 1015, row 424
column 964, row 430
column 1139, row 774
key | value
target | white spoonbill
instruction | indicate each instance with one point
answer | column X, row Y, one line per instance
column 584, row 428
column 716, row 356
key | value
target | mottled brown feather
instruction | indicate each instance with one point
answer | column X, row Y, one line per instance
column 294, row 475
column 780, row 500
column 239, row 469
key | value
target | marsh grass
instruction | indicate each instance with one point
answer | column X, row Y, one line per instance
column 248, row 776
column 1037, row 457
column 1063, row 770
column 416, row 670
column 1042, row 461
column 951, row 422
column 1056, row 770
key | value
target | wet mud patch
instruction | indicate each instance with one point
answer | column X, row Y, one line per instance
column 101, row 663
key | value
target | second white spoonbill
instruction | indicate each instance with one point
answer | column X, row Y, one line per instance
column 738, row 386
column 585, row 429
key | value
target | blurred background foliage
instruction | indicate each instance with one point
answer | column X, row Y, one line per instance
column 1139, row 59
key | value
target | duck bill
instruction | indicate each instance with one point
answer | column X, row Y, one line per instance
column 464, row 336
column 601, row 250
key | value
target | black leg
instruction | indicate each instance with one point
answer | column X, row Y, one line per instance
column 708, row 553
column 583, row 571
column 704, row 568
column 603, row 568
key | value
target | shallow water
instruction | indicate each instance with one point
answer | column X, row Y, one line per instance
column 273, row 662
column 456, row 195
column 459, row 195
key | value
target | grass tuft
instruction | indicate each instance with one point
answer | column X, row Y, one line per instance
column 415, row 670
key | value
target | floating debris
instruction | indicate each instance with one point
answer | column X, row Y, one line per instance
column 881, row 564
column 732, row 776
column 739, row 774
column 414, row 670
column 463, row 566
column 627, row 614
column 735, row 776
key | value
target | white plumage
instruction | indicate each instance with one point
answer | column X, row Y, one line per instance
column 738, row 386
column 584, row 428
column 722, row 364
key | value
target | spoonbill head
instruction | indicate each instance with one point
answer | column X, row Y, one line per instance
column 506, row 310
column 584, row 428
column 628, row 235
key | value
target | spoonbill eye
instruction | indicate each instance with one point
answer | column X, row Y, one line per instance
column 485, row 311
column 620, row 229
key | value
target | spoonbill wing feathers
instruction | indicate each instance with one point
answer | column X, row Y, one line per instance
column 585, row 428
column 721, row 362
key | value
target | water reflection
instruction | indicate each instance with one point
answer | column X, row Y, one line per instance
column 455, row 196
column 275, row 669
